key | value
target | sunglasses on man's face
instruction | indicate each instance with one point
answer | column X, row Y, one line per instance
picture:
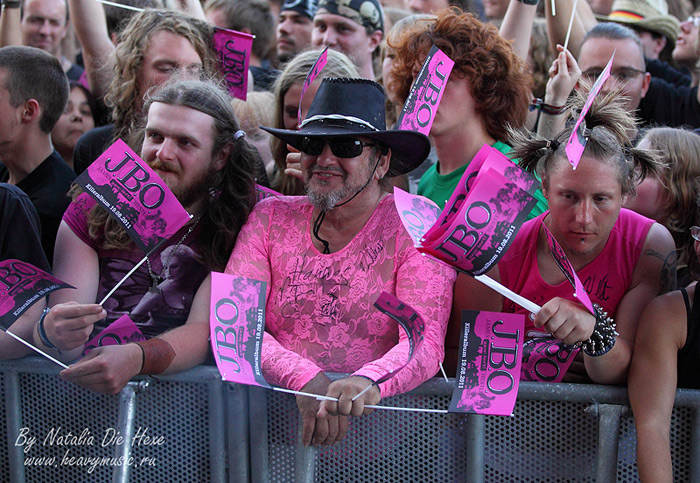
column 342, row 147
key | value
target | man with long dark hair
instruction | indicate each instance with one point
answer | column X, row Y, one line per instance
column 193, row 141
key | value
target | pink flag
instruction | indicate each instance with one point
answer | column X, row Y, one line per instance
column 478, row 234
column 233, row 50
column 237, row 325
column 567, row 269
column 577, row 141
column 408, row 319
column 261, row 192
column 488, row 371
column 546, row 359
column 487, row 158
column 21, row 286
column 121, row 331
column 419, row 110
column 311, row 77
column 417, row 213
column 134, row 195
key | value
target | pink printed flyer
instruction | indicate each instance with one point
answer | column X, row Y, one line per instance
column 488, row 370
column 237, row 325
column 546, row 359
column 233, row 51
column 487, row 158
column 21, row 286
column 417, row 213
column 478, row 234
column 419, row 110
column 492, row 158
column 411, row 322
column 121, row 331
column 577, row 141
column 311, row 77
column 567, row 269
column 134, row 195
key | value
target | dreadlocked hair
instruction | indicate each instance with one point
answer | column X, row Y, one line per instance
column 608, row 127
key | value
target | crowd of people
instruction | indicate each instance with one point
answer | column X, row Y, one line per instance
column 76, row 76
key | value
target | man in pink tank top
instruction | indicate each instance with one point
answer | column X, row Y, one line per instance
column 623, row 259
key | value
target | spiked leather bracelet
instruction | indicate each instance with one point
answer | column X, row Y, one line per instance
column 603, row 337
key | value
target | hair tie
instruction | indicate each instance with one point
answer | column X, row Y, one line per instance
column 239, row 134
column 552, row 144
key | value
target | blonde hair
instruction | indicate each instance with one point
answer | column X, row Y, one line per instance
column 339, row 65
column 123, row 94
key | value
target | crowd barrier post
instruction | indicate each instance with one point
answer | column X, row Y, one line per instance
column 305, row 459
column 475, row 453
column 125, row 425
column 217, row 431
column 14, row 423
column 238, row 433
column 257, row 405
column 608, row 438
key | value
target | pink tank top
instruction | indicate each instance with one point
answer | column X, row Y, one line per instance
column 606, row 279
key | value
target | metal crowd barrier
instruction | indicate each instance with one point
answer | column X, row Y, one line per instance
column 192, row 427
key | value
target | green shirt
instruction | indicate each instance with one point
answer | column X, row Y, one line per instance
column 439, row 188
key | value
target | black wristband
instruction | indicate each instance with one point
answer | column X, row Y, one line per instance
column 12, row 3
column 529, row 2
column 42, row 332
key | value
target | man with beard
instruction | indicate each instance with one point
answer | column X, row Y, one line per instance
column 327, row 257
column 193, row 141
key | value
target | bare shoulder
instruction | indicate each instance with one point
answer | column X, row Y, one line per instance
column 665, row 318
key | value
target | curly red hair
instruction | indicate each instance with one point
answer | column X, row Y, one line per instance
column 500, row 84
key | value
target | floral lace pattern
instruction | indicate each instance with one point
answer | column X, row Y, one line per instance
column 320, row 313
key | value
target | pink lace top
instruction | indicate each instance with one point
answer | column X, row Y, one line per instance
column 320, row 314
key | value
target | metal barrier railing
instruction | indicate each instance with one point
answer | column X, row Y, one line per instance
column 217, row 431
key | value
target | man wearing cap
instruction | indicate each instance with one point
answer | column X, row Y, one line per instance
column 650, row 19
column 326, row 257
column 354, row 27
column 294, row 26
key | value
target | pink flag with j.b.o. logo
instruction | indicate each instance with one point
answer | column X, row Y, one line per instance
column 233, row 51
column 237, row 326
column 134, row 195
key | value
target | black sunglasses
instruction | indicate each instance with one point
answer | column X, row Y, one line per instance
column 342, row 147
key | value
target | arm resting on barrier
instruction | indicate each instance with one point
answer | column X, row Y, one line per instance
column 108, row 369
column 652, row 383
column 654, row 274
column 22, row 327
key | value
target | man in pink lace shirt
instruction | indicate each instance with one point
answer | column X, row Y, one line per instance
column 326, row 257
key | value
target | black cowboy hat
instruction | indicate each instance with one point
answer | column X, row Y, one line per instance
column 355, row 107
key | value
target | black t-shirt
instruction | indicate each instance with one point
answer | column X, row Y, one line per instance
column 669, row 105
column 90, row 146
column 662, row 70
column 689, row 355
column 47, row 187
column 20, row 229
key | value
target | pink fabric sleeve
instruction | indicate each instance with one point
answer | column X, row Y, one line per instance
column 76, row 218
column 427, row 287
column 250, row 258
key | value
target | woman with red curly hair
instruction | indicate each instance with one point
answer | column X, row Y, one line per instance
column 488, row 90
